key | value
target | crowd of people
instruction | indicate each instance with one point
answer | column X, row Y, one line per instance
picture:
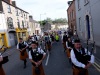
column 32, row 49
column 79, row 57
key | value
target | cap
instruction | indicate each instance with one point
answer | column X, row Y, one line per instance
column 77, row 41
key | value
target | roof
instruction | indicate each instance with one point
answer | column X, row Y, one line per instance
column 14, row 6
column 35, row 21
column 70, row 5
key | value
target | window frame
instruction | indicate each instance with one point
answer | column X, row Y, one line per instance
column 9, row 8
column 18, row 23
column 86, row 2
column 80, row 24
column 79, row 7
column 17, row 12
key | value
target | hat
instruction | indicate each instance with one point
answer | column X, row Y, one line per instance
column 34, row 42
column 65, row 32
column 77, row 41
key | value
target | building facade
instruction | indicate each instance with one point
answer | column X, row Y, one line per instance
column 3, row 30
column 46, row 27
column 37, row 27
column 71, row 12
column 34, row 27
column 16, row 20
column 31, row 28
column 88, row 19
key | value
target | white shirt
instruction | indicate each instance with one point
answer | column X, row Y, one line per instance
column 1, row 57
column 67, row 45
column 33, row 39
column 39, row 50
column 38, row 37
column 76, row 62
column 24, row 43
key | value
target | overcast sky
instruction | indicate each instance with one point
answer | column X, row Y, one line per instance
column 48, row 8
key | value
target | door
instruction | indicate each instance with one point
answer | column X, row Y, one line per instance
column 88, row 27
column 12, row 39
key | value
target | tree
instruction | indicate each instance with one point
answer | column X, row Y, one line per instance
column 60, row 21
column 43, row 22
column 56, row 21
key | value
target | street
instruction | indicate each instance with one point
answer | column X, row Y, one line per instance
column 54, row 64
column 75, row 22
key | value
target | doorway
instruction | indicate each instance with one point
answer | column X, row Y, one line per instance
column 88, row 27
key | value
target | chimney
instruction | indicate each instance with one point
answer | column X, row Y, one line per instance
column 10, row 1
column 14, row 3
column 31, row 17
column 70, row 2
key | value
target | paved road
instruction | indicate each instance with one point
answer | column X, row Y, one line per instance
column 57, row 64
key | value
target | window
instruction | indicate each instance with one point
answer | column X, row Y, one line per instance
column 78, row 4
column 26, row 16
column 10, row 23
column 80, row 29
column 17, row 12
column 23, row 34
column 21, row 13
column 27, row 25
column 9, row 9
column 70, row 16
column 18, row 23
column 73, row 14
column 86, row 1
column 23, row 24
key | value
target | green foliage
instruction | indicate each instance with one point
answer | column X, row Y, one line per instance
column 60, row 21
column 56, row 21
column 42, row 22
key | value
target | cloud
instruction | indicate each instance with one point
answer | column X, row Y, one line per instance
column 52, row 8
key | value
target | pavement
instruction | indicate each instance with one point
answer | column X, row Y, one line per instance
column 55, row 63
column 96, row 53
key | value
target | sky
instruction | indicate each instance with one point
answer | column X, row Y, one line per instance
column 46, row 8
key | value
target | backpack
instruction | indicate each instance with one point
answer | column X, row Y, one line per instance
column 65, row 38
column 46, row 39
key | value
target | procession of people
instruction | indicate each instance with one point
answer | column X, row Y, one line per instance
column 80, row 58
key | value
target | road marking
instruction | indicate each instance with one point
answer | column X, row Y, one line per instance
column 47, row 59
column 96, row 66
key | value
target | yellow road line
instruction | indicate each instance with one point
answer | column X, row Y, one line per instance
column 96, row 66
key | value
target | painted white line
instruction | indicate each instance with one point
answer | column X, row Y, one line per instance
column 47, row 59
column 97, row 64
column 96, row 68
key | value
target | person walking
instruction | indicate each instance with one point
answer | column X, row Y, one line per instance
column 81, row 59
column 22, row 46
column 36, row 56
